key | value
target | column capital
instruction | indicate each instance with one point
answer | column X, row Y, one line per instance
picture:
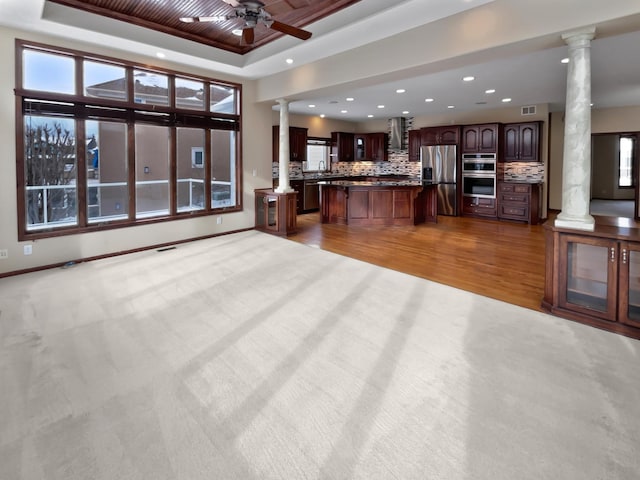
column 283, row 101
column 579, row 38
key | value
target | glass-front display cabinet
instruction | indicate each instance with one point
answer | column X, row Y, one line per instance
column 276, row 212
column 629, row 311
column 594, row 277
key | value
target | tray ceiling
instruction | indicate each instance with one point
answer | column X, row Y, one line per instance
column 164, row 16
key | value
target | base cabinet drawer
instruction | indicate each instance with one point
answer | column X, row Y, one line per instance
column 514, row 212
column 519, row 202
column 479, row 207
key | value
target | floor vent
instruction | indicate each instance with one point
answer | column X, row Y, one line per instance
column 531, row 110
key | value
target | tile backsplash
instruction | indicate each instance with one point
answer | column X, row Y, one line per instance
column 398, row 164
column 522, row 171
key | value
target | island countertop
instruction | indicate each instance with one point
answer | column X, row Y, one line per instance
column 372, row 183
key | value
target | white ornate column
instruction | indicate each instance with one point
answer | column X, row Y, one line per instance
column 576, row 169
column 283, row 155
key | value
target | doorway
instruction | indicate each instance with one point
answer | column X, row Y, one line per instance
column 614, row 175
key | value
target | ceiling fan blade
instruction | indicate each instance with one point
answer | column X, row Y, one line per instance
column 248, row 35
column 290, row 30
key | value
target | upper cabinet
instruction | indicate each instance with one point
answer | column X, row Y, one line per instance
column 415, row 142
column 297, row 144
column 370, row 146
column 449, row 135
column 480, row 138
column 342, row 145
column 522, row 142
column 376, row 147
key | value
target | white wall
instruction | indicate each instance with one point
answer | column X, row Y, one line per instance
column 256, row 147
column 604, row 120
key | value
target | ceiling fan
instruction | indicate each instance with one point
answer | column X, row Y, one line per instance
column 252, row 12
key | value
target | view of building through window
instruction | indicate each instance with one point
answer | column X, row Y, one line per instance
column 141, row 154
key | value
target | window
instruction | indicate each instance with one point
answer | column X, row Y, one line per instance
column 128, row 145
column 625, row 161
column 317, row 155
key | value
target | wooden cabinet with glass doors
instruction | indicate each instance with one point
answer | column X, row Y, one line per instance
column 276, row 212
column 594, row 277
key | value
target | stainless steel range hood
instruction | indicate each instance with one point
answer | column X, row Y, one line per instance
column 396, row 133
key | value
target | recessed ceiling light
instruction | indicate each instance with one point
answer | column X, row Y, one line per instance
column 428, row 99
column 451, row 106
column 564, row 60
column 400, row 90
column 468, row 78
column 160, row 55
column 322, row 115
column 312, row 105
column 343, row 111
column 349, row 99
column 237, row 32
column 289, row 61
column 491, row 90
column 380, row 106
column 370, row 116
column 506, row 100
column 405, row 112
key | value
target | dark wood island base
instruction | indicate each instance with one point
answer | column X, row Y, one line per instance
column 377, row 203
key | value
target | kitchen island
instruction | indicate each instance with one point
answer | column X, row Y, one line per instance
column 382, row 202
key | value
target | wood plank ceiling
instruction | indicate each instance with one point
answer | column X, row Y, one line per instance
column 164, row 16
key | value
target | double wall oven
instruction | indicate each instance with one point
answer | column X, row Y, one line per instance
column 479, row 175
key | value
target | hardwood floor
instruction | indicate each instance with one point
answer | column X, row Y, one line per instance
column 497, row 259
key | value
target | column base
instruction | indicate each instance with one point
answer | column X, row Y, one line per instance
column 585, row 222
column 286, row 189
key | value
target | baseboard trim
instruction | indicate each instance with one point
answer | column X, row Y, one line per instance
column 115, row 254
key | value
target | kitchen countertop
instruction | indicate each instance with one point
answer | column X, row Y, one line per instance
column 372, row 183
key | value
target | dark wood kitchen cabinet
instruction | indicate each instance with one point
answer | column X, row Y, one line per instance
column 415, row 142
column 376, row 146
column 479, row 207
column 594, row 277
column 521, row 142
column 297, row 144
column 371, row 146
column 449, row 135
column 342, row 147
column 519, row 201
column 481, row 138
column 276, row 212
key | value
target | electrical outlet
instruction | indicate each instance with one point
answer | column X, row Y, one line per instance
column 4, row 254
column 28, row 249
column 255, row 172
column 219, row 220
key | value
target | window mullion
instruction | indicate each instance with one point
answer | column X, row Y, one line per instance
column 81, row 172
column 173, row 174
column 208, row 165
column 131, row 167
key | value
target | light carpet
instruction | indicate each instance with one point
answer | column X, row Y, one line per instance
column 249, row 356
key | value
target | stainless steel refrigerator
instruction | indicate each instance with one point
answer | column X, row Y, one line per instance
column 439, row 166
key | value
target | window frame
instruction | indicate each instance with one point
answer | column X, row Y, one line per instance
column 82, row 107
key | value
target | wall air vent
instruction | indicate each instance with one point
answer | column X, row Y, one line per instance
column 531, row 110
